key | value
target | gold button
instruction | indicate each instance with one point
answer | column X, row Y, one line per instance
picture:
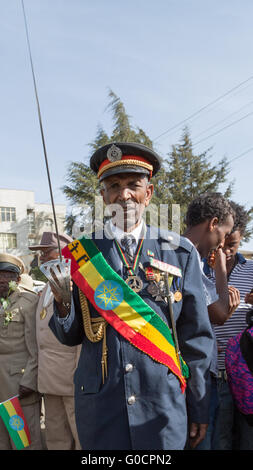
column 82, row 388
column 22, row 371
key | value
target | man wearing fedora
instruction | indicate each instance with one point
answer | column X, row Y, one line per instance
column 131, row 377
column 56, row 362
column 18, row 348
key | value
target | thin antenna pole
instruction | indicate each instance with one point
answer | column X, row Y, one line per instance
column 41, row 130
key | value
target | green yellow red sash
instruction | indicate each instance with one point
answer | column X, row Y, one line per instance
column 121, row 307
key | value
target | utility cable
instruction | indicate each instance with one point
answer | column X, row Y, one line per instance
column 202, row 109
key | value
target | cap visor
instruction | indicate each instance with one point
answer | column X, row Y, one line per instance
column 9, row 267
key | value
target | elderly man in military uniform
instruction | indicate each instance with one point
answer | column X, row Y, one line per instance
column 18, row 349
column 139, row 311
column 56, row 362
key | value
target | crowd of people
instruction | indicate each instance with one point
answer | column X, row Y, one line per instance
column 136, row 359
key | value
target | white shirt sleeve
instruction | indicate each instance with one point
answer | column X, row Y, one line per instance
column 209, row 287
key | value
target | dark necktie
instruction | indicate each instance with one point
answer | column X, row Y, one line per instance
column 128, row 245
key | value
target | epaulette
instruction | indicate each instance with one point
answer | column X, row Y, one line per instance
column 28, row 295
column 173, row 241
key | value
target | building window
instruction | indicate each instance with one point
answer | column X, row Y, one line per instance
column 8, row 214
column 48, row 224
column 8, row 241
column 31, row 221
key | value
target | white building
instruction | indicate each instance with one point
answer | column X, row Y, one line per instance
column 22, row 222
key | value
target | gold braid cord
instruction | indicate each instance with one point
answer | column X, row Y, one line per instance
column 125, row 162
column 95, row 330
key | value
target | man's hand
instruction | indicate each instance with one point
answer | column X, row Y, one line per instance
column 197, row 433
column 24, row 391
column 234, row 299
column 62, row 311
column 217, row 259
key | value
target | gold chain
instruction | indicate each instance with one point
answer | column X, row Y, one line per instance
column 95, row 330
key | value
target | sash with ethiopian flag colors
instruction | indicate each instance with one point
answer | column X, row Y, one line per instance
column 121, row 307
column 14, row 420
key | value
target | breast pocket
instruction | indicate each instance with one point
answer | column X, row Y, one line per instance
column 15, row 326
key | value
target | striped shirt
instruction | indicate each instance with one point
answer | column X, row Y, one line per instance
column 240, row 277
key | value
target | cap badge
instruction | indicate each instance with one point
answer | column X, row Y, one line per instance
column 114, row 153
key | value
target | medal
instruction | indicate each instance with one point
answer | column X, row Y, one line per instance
column 43, row 313
column 178, row 296
column 152, row 274
column 154, row 290
column 149, row 273
column 134, row 282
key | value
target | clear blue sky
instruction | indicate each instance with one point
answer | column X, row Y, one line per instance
column 165, row 59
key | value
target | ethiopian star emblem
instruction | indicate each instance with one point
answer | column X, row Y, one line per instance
column 16, row 423
column 108, row 295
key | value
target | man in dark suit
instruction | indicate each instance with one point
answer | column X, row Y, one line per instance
column 134, row 401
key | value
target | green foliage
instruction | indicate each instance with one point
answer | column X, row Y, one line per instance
column 183, row 176
column 37, row 274
column 249, row 230
column 83, row 184
column 187, row 175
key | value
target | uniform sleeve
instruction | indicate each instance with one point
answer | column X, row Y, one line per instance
column 30, row 375
column 196, row 341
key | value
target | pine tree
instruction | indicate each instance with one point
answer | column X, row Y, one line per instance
column 183, row 175
column 187, row 175
column 83, row 184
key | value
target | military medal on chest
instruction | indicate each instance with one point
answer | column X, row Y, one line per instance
column 155, row 287
column 160, row 274
column 132, row 280
column 43, row 313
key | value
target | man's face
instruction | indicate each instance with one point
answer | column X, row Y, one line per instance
column 5, row 278
column 217, row 234
column 127, row 195
column 231, row 244
column 48, row 254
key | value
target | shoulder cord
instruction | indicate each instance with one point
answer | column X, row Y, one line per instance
column 95, row 330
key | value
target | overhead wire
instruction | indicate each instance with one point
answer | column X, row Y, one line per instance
column 202, row 108
column 241, row 155
column 223, row 128
column 222, row 120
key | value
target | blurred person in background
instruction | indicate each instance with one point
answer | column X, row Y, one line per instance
column 234, row 431
column 56, row 362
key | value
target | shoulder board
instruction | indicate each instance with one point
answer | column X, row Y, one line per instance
column 175, row 240
column 28, row 295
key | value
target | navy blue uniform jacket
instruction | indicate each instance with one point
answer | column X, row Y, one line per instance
column 156, row 418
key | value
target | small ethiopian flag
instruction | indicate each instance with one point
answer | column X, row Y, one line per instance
column 14, row 420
